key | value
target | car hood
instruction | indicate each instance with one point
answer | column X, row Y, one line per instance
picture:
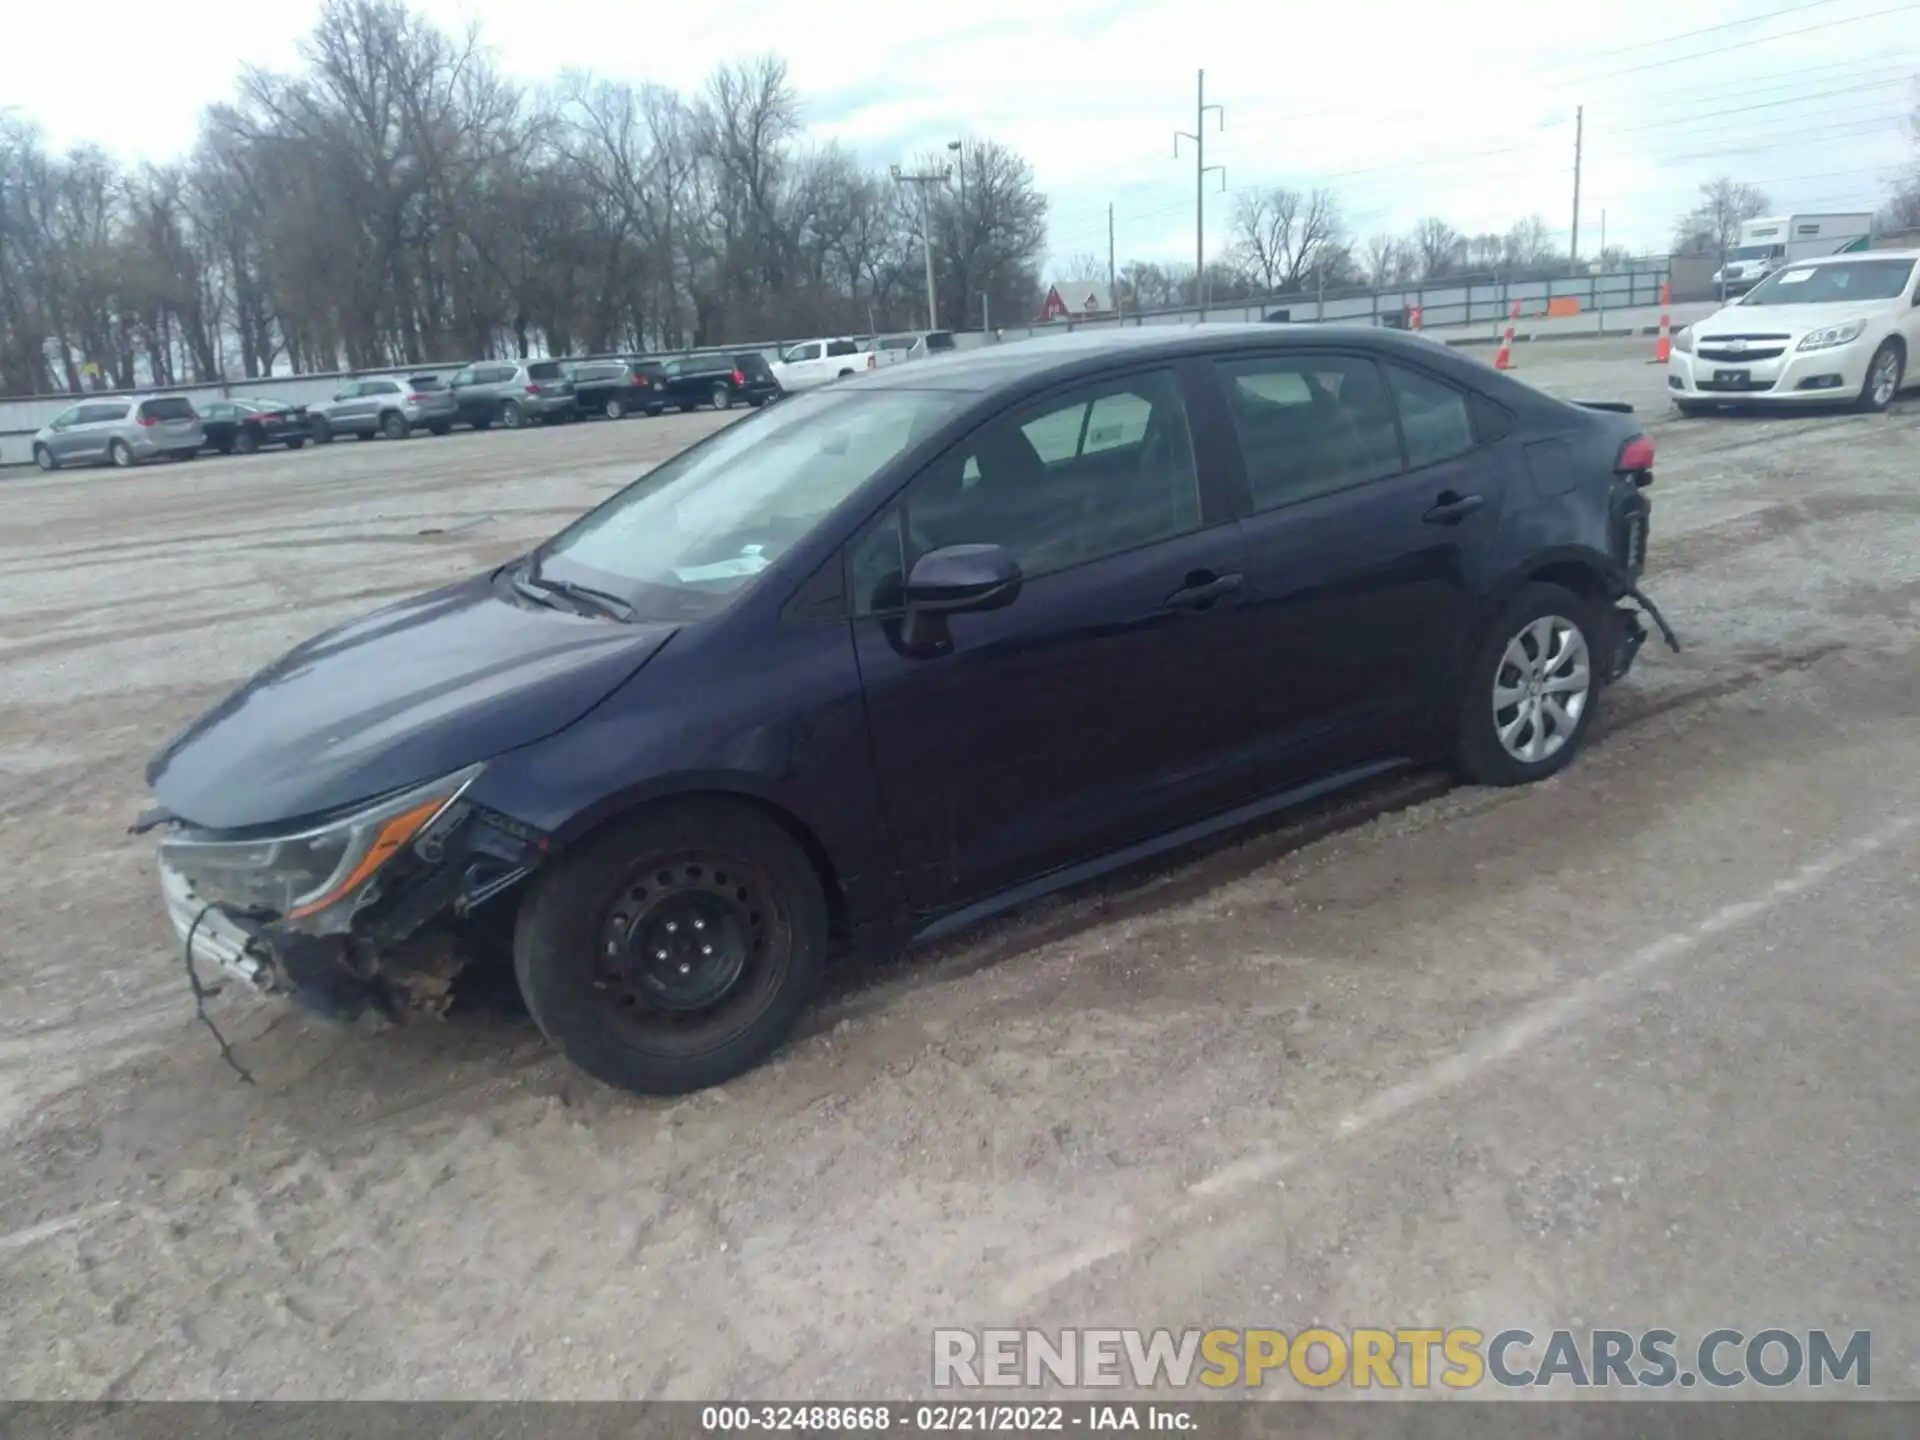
column 1787, row 319
column 396, row 698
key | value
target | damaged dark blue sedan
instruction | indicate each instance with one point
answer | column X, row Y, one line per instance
column 883, row 660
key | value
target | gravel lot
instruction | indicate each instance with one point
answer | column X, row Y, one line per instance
column 1633, row 1047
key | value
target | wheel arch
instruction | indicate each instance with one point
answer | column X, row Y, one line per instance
column 621, row 808
column 1590, row 574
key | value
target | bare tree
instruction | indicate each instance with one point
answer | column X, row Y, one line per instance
column 1713, row 225
column 1280, row 235
column 1437, row 246
column 394, row 200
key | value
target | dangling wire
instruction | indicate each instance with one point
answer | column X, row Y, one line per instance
column 200, row 994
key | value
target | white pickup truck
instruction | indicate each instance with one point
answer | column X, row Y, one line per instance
column 914, row 345
column 813, row 363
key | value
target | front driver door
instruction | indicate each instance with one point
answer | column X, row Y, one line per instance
column 1097, row 710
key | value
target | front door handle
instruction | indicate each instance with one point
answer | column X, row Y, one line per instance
column 1451, row 509
column 1202, row 590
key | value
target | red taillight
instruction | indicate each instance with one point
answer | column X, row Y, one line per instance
column 872, row 360
column 738, row 378
column 1635, row 456
column 638, row 380
column 148, row 420
column 415, row 399
column 533, row 389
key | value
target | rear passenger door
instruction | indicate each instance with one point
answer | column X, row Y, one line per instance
column 1368, row 507
column 93, row 433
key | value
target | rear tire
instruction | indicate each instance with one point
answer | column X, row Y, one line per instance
column 120, row 454
column 296, row 442
column 394, row 425
column 322, row 433
column 723, row 397
column 615, row 408
column 43, row 457
column 247, row 441
column 1532, row 688
column 725, row 895
column 1886, row 372
column 511, row 415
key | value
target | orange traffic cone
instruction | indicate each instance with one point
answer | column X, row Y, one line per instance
column 1504, row 360
column 1414, row 320
column 1663, row 351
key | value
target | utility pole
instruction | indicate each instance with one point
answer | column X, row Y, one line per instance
column 924, row 179
column 958, row 148
column 1113, row 294
column 1200, row 169
column 1579, row 129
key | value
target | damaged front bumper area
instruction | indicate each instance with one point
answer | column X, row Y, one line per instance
column 379, row 932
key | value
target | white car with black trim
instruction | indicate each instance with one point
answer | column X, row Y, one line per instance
column 1841, row 329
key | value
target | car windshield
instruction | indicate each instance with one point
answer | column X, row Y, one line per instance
column 1749, row 252
column 1833, row 284
column 687, row 537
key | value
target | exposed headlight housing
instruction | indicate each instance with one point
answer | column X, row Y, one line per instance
column 1683, row 341
column 298, row 875
column 1832, row 336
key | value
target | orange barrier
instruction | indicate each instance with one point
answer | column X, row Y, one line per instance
column 1563, row 305
column 1663, row 350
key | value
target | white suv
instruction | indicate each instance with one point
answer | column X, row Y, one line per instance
column 813, row 363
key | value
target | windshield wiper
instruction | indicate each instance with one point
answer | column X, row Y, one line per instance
column 539, row 587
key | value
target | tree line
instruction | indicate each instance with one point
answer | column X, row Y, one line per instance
column 1287, row 242
column 396, row 200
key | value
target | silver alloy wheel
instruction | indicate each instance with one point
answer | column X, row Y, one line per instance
column 1541, row 689
column 1885, row 379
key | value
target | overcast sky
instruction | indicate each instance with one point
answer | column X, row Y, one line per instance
column 1464, row 111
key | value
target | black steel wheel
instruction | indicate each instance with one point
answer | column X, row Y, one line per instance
column 676, row 950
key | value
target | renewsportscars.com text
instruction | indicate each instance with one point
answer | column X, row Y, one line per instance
column 1458, row 1358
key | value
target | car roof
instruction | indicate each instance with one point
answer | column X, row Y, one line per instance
column 1853, row 257
column 1024, row 362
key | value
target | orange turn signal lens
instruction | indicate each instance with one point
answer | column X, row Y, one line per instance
column 392, row 838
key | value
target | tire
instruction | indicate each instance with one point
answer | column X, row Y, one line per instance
column 225, row 447
column 1886, row 373
column 119, row 453
column 654, row 412
column 722, row 397
column 43, row 457
column 615, row 408
column 1538, row 614
column 606, row 1014
column 843, row 375
column 511, row 415
column 394, row 425
column 439, row 429
column 1692, row 408
column 295, row 442
column 686, row 409
column 248, row 440
column 322, row 433
column 485, row 422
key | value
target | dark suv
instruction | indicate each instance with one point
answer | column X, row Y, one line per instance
column 618, row 388
column 894, row 656
column 721, row 381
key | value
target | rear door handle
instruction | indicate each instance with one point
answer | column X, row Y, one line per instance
column 1451, row 509
column 1199, row 594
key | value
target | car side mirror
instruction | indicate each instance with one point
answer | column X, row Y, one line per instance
column 956, row 580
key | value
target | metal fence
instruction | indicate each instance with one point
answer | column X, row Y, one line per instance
column 1449, row 304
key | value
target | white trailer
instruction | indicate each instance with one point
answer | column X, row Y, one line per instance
column 1768, row 242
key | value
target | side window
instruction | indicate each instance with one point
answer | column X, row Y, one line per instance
column 101, row 414
column 809, row 351
column 1310, row 425
column 1057, row 504
column 462, row 377
column 66, row 417
column 842, row 347
column 875, row 568
column 1434, row 418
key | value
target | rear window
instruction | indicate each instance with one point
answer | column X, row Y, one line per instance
column 426, row 382
column 648, row 367
column 940, row 340
column 168, row 407
column 751, row 364
column 545, row 370
column 597, row 372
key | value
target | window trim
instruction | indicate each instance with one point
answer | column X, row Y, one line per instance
column 1216, row 507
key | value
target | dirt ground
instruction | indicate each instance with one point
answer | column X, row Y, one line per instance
column 1634, row 1047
